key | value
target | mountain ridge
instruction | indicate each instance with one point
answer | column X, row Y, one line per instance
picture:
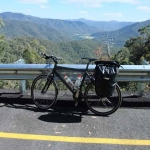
column 123, row 34
column 65, row 26
column 105, row 25
column 16, row 28
column 18, row 24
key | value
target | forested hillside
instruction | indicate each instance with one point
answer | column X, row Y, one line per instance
column 71, row 51
column 21, row 37
column 24, row 36
column 67, row 27
column 15, row 28
column 122, row 35
column 20, row 25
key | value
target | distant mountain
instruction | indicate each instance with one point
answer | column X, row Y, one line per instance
column 105, row 25
column 16, row 28
column 17, row 24
column 120, row 36
column 68, row 27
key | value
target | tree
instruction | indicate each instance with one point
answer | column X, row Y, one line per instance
column 32, row 57
column 101, row 54
column 29, row 56
column 3, row 43
column 123, row 56
column 139, row 47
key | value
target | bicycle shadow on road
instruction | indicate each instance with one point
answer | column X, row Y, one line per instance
column 67, row 114
column 56, row 114
column 63, row 115
column 62, row 112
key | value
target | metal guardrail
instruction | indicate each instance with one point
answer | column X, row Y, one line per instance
column 129, row 73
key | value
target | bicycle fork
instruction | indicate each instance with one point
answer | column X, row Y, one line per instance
column 47, row 84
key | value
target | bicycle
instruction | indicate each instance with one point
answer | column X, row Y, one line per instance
column 44, row 90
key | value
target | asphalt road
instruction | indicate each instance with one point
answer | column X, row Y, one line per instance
column 24, row 127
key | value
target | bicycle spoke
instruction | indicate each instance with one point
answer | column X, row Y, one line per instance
column 104, row 105
column 48, row 98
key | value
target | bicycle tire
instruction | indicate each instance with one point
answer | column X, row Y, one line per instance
column 102, row 106
column 46, row 100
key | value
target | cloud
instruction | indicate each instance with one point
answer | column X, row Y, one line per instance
column 44, row 6
column 33, row 1
column 83, row 12
column 93, row 5
column 29, row 10
column 144, row 8
column 98, row 3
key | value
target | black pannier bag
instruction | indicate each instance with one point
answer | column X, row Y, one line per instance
column 105, row 77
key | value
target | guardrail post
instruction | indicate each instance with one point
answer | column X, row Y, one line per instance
column 22, row 83
column 141, row 86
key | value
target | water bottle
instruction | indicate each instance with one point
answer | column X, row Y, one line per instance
column 78, row 81
column 68, row 81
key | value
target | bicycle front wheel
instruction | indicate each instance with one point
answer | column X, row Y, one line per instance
column 48, row 98
column 102, row 106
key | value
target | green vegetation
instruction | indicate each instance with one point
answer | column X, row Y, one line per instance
column 134, row 51
column 14, row 46
column 15, row 28
column 139, row 47
column 3, row 43
column 25, row 38
column 52, row 29
column 122, row 35
column 28, row 48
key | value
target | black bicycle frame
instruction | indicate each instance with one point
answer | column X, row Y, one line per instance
column 55, row 73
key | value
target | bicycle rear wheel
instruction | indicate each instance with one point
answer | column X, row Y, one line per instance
column 102, row 106
column 47, row 99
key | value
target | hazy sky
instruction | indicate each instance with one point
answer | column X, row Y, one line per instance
column 99, row 10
